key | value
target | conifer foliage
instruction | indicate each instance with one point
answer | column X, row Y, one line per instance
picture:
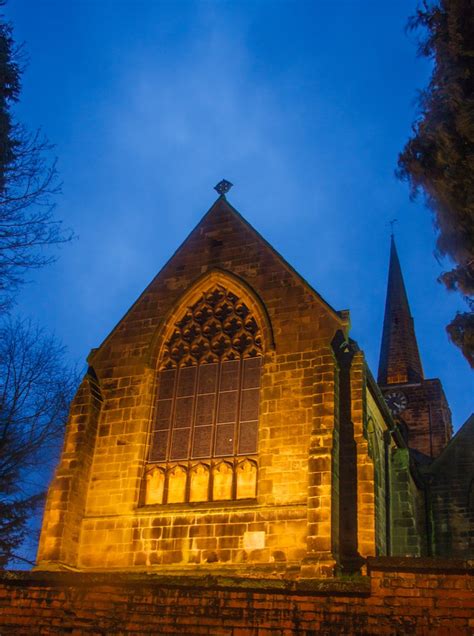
column 439, row 157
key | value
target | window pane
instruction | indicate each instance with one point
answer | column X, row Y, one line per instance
column 166, row 384
column 248, row 438
column 163, row 414
column 202, row 441
column 207, row 378
column 184, row 412
column 230, row 375
column 251, row 374
column 186, row 381
column 203, row 405
column 225, row 439
column 205, row 410
column 158, row 446
column 249, row 407
column 180, row 444
column 227, row 407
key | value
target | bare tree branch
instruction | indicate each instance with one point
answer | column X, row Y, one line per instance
column 36, row 388
column 29, row 185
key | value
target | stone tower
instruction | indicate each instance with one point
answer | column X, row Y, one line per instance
column 418, row 403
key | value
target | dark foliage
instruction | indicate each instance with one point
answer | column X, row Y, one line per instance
column 461, row 332
column 439, row 158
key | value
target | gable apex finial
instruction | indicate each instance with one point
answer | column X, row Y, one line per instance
column 223, row 187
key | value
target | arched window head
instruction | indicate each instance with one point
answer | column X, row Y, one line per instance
column 218, row 327
column 208, row 384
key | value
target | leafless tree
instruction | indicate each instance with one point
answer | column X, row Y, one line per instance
column 28, row 183
column 36, row 387
column 27, row 223
column 36, row 384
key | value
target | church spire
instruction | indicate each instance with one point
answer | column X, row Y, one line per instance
column 399, row 357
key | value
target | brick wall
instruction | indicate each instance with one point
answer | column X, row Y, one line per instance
column 399, row 596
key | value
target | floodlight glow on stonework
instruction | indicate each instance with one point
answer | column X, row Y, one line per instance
column 229, row 420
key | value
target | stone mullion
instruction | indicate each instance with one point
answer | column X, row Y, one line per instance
column 216, row 408
column 166, row 463
column 172, row 418
column 239, row 409
column 192, row 426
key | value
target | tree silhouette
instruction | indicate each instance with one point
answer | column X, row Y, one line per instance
column 36, row 387
column 28, row 183
column 439, row 157
column 35, row 384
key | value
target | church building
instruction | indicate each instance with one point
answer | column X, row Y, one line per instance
column 230, row 421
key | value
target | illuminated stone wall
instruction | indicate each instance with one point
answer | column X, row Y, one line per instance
column 104, row 502
column 228, row 419
column 65, row 504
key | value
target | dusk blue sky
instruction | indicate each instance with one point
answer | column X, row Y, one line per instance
column 304, row 106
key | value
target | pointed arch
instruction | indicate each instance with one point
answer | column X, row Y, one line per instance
column 208, row 362
column 199, row 482
column 215, row 276
column 222, row 481
column 246, row 479
column 155, row 485
column 176, row 484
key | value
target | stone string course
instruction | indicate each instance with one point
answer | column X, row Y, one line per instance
column 399, row 596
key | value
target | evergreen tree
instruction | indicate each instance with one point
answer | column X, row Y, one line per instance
column 439, row 158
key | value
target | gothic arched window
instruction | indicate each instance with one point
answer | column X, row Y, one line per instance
column 208, row 397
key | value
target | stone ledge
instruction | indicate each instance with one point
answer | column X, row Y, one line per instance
column 346, row 586
column 420, row 564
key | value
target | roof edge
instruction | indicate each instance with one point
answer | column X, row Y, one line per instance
column 342, row 316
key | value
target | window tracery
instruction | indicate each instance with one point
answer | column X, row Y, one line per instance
column 206, row 422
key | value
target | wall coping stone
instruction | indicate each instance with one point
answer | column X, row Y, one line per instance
column 345, row 586
column 421, row 564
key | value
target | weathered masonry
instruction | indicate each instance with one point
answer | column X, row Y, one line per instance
column 401, row 596
column 230, row 420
